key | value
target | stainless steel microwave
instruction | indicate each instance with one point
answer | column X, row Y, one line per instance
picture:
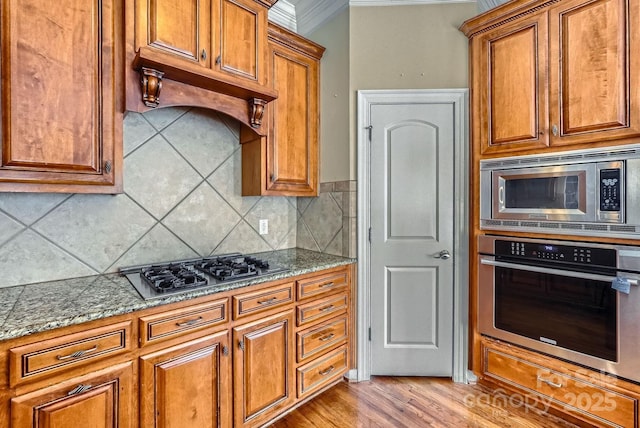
column 589, row 192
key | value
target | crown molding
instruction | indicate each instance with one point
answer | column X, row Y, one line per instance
column 402, row 2
column 283, row 13
column 312, row 14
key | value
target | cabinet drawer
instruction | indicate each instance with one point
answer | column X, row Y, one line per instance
column 158, row 327
column 322, row 371
column 320, row 309
column 258, row 301
column 310, row 287
column 54, row 355
column 321, row 337
column 571, row 394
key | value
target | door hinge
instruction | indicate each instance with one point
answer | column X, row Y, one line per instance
column 369, row 234
column 369, row 128
column 369, row 334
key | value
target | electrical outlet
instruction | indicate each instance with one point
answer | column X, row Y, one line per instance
column 264, row 226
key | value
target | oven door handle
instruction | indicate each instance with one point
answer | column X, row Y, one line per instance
column 582, row 275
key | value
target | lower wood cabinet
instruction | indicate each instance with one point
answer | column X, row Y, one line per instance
column 103, row 399
column 595, row 398
column 188, row 385
column 237, row 358
column 263, row 369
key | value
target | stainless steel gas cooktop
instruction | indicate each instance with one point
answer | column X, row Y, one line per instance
column 169, row 278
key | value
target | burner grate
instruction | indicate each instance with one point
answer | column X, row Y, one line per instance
column 163, row 278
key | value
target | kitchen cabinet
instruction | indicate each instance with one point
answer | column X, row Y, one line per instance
column 214, row 45
column 102, row 399
column 188, row 384
column 61, row 96
column 233, row 358
column 263, row 380
column 589, row 396
column 285, row 162
column 555, row 76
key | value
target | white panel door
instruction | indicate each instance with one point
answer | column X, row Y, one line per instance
column 411, row 219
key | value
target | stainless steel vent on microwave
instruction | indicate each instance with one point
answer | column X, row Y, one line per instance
column 587, row 192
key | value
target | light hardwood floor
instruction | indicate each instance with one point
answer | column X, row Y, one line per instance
column 416, row 402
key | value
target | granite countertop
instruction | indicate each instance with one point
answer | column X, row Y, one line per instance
column 34, row 308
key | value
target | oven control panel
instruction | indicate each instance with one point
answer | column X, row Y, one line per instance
column 556, row 253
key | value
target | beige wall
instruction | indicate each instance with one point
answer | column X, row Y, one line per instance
column 389, row 47
column 334, row 96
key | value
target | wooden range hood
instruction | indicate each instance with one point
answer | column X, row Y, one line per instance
column 156, row 78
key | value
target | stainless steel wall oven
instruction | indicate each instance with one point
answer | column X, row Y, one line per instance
column 566, row 299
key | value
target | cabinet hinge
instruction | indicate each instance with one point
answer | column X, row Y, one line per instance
column 369, row 334
column 241, row 345
column 369, row 128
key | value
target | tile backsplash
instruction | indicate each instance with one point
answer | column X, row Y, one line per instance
column 181, row 199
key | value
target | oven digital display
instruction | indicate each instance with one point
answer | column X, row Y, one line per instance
column 549, row 248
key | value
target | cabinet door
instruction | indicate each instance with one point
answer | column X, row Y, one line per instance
column 509, row 75
column 181, row 28
column 101, row 400
column 242, row 34
column 263, row 360
column 187, row 385
column 595, row 94
column 61, row 70
column 292, row 146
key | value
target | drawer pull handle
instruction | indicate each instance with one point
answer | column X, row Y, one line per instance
column 327, row 337
column 326, row 308
column 76, row 354
column 79, row 389
column 190, row 322
column 268, row 301
column 327, row 285
column 327, row 371
column 550, row 383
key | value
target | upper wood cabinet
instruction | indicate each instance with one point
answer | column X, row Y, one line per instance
column 286, row 161
column 227, row 36
column 555, row 74
column 61, row 96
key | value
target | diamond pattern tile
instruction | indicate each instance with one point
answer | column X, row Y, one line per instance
column 324, row 219
column 304, row 239
column 158, row 178
column 136, row 130
column 30, row 258
column 279, row 212
column 8, row 228
column 242, row 239
column 29, row 207
column 158, row 245
column 97, row 229
column 227, row 180
column 202, row 220
column 203, row 139
column 160, row 118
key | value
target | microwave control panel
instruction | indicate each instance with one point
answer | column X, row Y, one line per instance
column 610, row 189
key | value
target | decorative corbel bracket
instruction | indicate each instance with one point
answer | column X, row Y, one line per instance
column 151, row 81
column 256, row 111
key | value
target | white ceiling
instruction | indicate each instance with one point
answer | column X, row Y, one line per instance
column 304, row 16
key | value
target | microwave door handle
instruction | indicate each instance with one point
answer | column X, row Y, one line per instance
column 501, row 196
column 583, row 275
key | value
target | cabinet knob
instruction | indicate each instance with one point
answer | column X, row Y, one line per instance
column 107, row 167
column 554, row 130
column 218, row 59
column 203, row 55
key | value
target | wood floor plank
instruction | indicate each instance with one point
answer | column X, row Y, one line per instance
column 417, row 402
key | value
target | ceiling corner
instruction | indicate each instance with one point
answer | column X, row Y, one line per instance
column 311, row 14
column 284, row 13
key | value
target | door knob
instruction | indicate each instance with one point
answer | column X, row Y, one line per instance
column 444, row 255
